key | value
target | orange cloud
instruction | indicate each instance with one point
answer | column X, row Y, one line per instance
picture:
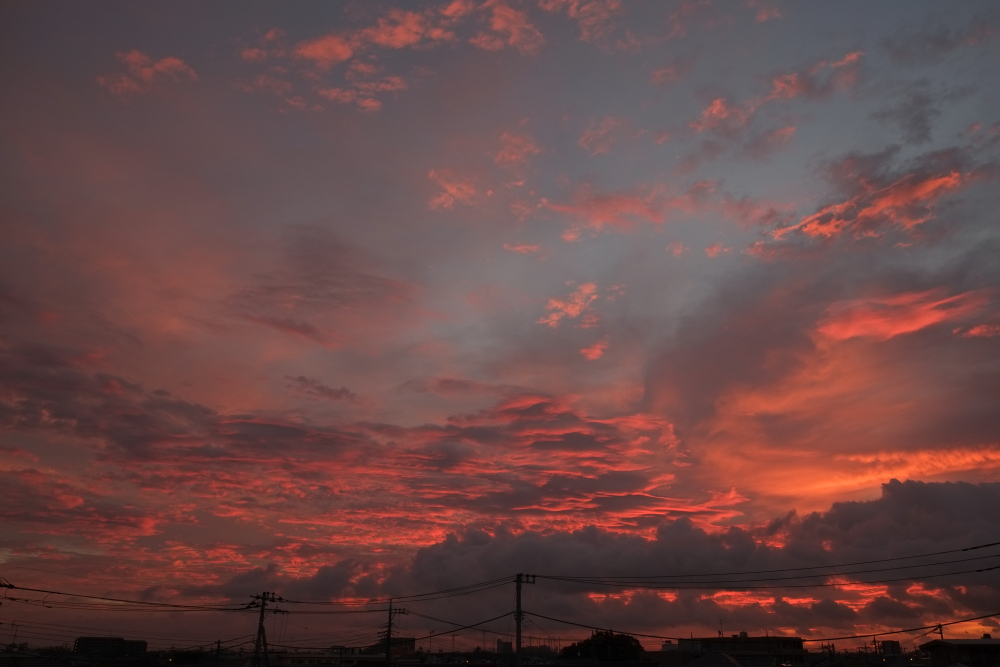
column 905, row 203
column 572, row 306
column 887, row 317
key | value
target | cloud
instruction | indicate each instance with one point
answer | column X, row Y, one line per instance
column 595, row 351
column 508, row 27
column 621, row 211
column 917, row 111
column 454, row 189
column 717, row 249
column 883, row 200
column 325, row 51
column 313, row 388
column 937, row 41
column 599, row 135
column 576, row 304
column 144, row 72
column 516, row 150
column 400, row 29
column 522, row 248
column 319, row 291
column 769, row 142
column 672, row 72
column 727, row 123
column 885, row 317
column 595, row 17
column 765, row 11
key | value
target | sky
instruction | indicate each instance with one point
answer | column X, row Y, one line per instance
column 365, row 299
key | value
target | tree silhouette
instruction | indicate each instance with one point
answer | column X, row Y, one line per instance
column 605, row 646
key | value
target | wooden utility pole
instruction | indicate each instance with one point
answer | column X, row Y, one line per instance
column 388, row 637
column 260, row 646
column 519, row 614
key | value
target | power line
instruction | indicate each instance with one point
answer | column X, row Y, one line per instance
column 416, row 597
column 11, row 586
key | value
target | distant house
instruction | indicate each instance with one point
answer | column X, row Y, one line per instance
column 983, row 652
column 749, row 651
column 109, row 648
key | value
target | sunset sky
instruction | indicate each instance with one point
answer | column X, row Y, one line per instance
column 363, row 299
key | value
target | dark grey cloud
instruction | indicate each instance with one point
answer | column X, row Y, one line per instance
column 938, row 39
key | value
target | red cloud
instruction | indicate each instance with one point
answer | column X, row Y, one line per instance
column 400, row 29
column 729, row 120
column 621, row 210
column 593, row 16
column 904, row 203
column 143, row 72
column 510, row 27
column 572, row 306
column 886, row 317
column 595, row 351
column 325, row 51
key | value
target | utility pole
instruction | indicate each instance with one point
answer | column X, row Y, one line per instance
column 218, row 649
column 388, row 637
column 388, row 632
column 260, row 645
column 518, row 614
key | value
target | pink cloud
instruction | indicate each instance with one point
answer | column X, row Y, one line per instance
column 769, row 142
column 722, row 118
column 516, row 150
column 716, row 249
column 595, row 17
column 599, row 135
column 325, row 51
column 820, row 80
column 522, row 248
column 572, row 306
column 883, row 318
column 454, row 189
column 268, row 83
column 765, row 11
column 510, row 27
column 983, row 331
column 616, row 209
column 595, row 351
column 143, row 72
column 400, row 29
column 677, row 248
